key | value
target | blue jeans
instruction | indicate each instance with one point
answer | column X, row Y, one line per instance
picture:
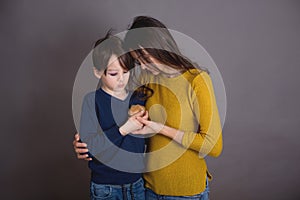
column 134, row 191
column 150, row 195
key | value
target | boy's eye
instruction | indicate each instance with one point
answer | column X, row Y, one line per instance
column 113, row 74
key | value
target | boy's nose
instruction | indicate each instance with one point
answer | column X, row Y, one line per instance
column 121, row 77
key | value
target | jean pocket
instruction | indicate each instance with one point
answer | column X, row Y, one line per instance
column 138, row 190
column 101, row 191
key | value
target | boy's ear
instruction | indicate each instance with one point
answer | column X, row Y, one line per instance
column 97, row 73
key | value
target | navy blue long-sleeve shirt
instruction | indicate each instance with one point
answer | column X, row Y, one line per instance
column 117, row 159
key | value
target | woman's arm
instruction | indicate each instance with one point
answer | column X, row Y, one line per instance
column 208, row 141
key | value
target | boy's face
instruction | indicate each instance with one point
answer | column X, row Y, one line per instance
column 116, row 78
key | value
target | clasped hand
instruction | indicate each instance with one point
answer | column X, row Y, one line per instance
column 140, row 124
column 136, row 124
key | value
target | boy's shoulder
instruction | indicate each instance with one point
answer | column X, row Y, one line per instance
column 89, row 98
column 90, row 95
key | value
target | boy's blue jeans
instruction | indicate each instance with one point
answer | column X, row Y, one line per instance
column 134, row 191
column 150, row 195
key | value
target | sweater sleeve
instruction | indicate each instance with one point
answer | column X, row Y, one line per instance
column 208, row 141
column 97, row 140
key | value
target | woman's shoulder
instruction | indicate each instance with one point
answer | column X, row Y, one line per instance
column 197, row 75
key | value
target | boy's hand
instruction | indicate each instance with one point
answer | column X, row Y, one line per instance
column 132, row 124
column 80, row 148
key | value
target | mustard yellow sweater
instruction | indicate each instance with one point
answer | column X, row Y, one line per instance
column 187, row 103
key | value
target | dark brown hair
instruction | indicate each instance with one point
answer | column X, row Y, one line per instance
column 105, row 47
column 151, row 35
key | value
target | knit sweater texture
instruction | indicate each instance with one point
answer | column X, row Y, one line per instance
column 187, row 103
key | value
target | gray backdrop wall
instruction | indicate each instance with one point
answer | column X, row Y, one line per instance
column 255, row 44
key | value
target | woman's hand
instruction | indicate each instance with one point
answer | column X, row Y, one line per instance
column 80, row 148
column 149, row 126
column 155, row 127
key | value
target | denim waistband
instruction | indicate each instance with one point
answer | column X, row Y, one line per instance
column 127, row 185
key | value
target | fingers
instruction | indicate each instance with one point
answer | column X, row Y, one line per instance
column 81, row 150
column 136, row 123
column 77, row 137
column 139, row 124
column 131, row 125
column 146, row 115
column 79, row 145
column 83, row 156
column 139, row 114
column 76, row 142
column 143, row 121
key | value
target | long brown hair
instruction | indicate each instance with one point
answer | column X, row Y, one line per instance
column 151, row 35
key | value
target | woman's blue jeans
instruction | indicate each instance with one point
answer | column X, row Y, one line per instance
column 150, row 195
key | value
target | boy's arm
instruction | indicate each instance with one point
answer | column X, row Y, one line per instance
column 91, row 133
column 101, row 141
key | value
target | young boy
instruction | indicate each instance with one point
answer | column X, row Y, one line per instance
column 117, row 157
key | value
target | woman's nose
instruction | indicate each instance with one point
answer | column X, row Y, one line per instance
column 143, row 66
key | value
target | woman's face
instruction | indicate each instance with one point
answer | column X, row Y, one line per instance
column 153, row 66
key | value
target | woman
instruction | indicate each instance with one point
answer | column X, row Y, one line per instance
column 183, row 113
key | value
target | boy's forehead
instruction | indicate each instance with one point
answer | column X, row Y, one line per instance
column 113, row 58
column 113, row 68
column 113, row 63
